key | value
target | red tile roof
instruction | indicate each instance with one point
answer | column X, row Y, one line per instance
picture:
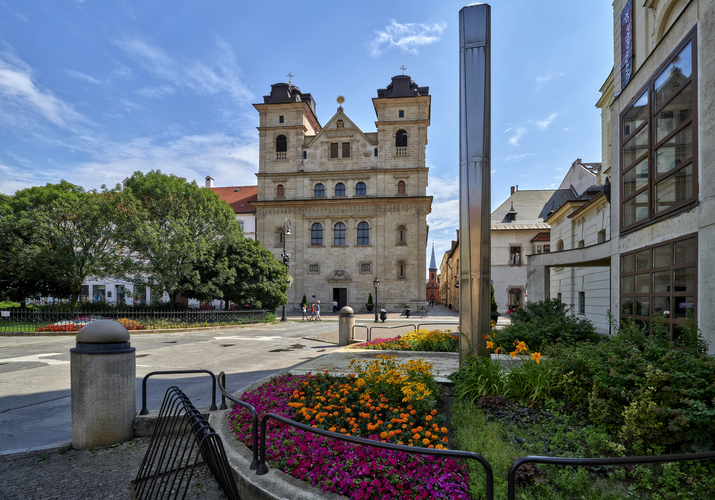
column 239, row 197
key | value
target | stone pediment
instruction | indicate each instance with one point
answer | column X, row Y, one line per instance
column 340, row 126
column 339, row 276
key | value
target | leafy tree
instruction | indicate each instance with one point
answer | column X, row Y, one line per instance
column 173, row 231
column 304, row 301
column 495, row 308
column 54, row 237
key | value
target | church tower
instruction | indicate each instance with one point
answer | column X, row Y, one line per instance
column 432, row 285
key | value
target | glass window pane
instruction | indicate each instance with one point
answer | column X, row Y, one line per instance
column 682, row 305
column 674, row 151
column 674, row 189
column 635, row 178
column 627, row 263
column 661, row 305
column 661, row 256
column 635, row 209
column 635, row 147
column 643, row 283
column 685, row 251
column 626, row 306
column 636, row 115
column 661, row 281
column 642, row 306
column 643, row 260
column 626, row 284
column 684, row 280
column 672, row 77
column 676, row 112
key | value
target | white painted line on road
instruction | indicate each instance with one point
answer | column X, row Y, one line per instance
column 258, row 338
column 36, row 358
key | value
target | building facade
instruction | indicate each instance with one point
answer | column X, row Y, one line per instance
column 432, row 285
column 240, row 199
column 355, row 203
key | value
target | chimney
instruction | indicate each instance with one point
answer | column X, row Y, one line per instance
column 517, row 187
column 209, row 181
column 457, row 234
column 512, row 190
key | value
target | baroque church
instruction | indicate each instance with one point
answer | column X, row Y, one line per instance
column 348, row 206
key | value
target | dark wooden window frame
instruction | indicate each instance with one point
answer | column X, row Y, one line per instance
column 360, row 189
column 280, row 191
column 346, row 150
column 671, row 320
column 319, row 191
column 401, row 139
column 650, row 187
column 334, row 150
column 363, row 234
column 281, row 144
column 401, row 187
column 339, row 232
column 340, row 189
column 316, row 234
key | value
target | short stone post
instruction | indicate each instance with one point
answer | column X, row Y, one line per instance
column 347, row 321
column 104, row 390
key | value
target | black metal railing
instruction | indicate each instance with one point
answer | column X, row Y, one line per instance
column 145, row 411
column 254, row 417
column 563, row 461
column 414, row 450
column 18, row 320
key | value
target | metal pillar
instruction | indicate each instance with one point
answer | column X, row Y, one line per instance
column 474, row 178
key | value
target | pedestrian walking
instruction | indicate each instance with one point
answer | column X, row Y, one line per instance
column 317, row 311
column 335, row 306
column 312, row 312
column 304, row 308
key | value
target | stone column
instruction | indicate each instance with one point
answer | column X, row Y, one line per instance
column 103, row 391
column 347, row 321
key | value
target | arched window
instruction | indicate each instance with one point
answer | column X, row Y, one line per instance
column 339, row 235
column 316, row 234
column 401, row 270
column 363, row 234
column 401, row 187
column 360, row 189
column 281, row 144
column 340, row 189
column 280, row 192
column 401, row 235
column 319, row 190
column 401, row 139
column 560, row 245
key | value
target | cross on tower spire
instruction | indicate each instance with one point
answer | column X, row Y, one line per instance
column 403, row 69
column 290, row 77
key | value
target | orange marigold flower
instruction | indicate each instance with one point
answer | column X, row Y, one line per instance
column 383, row 435
column 416, row 437
column 425, row 441
column 428, row 417
column 433, row 412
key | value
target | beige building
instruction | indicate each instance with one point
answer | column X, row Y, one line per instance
column 355, row 201
column 658, row 117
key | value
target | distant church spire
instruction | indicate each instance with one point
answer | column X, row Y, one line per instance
column 433, row 262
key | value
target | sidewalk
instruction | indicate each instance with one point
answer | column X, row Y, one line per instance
column 433, row 313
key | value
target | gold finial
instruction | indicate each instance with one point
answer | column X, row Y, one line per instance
column 403, row 69
column 341, row 99
column 290, row 77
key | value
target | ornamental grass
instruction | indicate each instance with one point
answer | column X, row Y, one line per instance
column 385, row 402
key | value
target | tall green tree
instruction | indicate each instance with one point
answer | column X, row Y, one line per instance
column 54, row 237
column 173, row 230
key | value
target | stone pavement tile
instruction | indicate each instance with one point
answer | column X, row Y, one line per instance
column 86, row 475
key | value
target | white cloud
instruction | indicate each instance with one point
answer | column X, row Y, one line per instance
column 507, row 130
column 13, row 179
column 408, row 37
column 21, row 17
column 542, row 124
column 82, row 76
column 155, row 92
column 123, row 72
column 511, row 158
column 514, row 139
column 561, row 168
column 218, row 77
column 566, row 129
column 543, row 79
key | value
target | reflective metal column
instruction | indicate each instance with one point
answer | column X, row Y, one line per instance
column 474, row 177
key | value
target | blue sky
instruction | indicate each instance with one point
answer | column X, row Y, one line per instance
column 91, row 91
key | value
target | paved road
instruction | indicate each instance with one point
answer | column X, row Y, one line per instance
column 35, row 400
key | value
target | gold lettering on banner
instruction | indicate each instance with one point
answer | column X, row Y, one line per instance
column 340, row 133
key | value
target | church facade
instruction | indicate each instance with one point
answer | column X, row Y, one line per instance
column 348, row 206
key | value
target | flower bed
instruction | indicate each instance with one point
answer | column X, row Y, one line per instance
column 416, row 340
column 383, row 402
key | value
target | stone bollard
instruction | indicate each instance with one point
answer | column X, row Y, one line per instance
column 104, row 390
column 347, row 321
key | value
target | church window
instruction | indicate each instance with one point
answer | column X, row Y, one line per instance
column 279, row 237
column 401, row 187
column 316, row 234
column 375, row 151
column 280, row 119
column 401, row 270
column 305, row 155
column 319, row 191
column 363, row 234
column 280, row 191
column 281, row 144
column 402, row 113
column 360, row 189
column 346, row 150
column 339, row 235
column 401, row 139
column 401, row 235
column 333, row 149
column 659, row 162
column 340, row 189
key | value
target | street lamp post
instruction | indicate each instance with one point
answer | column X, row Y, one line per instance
column 286, row 258
column 376, row 283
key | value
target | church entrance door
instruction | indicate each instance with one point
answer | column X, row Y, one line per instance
column 341, row 295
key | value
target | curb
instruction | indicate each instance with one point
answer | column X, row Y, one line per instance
column 135, row 332
column 36, row 449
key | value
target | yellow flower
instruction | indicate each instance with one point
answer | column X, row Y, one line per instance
column 512, row 354
column 490, row 344
column 536, row 356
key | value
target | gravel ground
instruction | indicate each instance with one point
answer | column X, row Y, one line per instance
column 84, row 475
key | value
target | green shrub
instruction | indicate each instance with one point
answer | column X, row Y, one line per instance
column 494, row 302
column 545, row 323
